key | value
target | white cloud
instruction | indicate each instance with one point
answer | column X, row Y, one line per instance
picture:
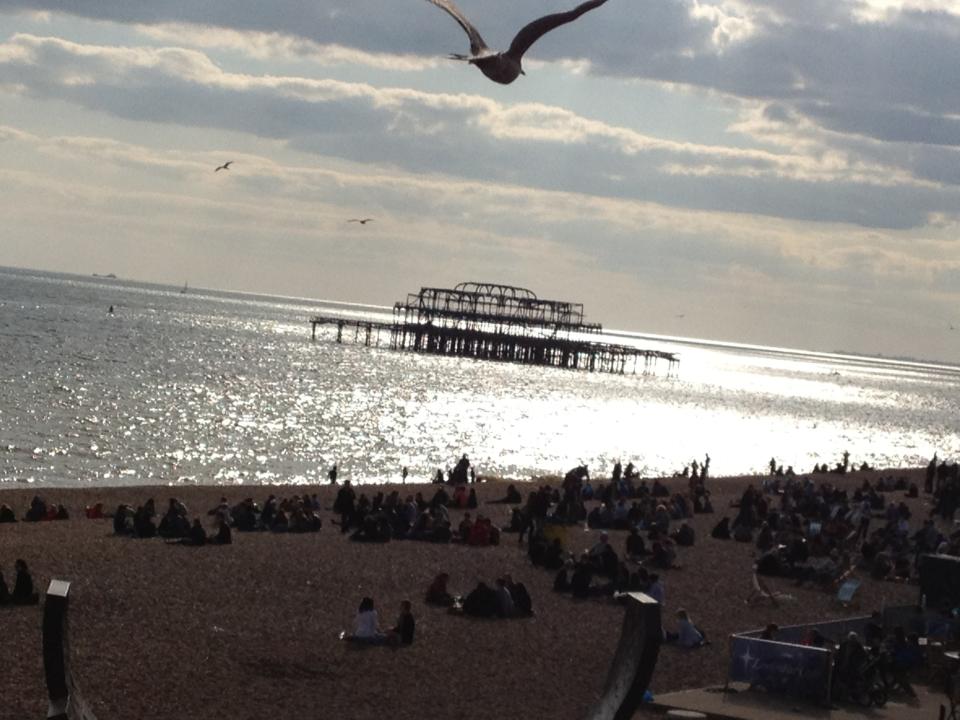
column 283, row 47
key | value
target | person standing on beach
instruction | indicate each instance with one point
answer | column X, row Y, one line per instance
column 332, row 475
column 403, row 474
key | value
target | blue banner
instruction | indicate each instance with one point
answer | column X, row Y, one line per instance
column 798, row 670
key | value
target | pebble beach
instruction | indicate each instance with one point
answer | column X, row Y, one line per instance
column 251, row 629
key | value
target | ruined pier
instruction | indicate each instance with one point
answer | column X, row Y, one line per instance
column 488, row 321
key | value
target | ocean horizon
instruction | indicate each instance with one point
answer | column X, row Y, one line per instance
column 226, row 387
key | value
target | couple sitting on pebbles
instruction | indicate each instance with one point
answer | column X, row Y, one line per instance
column 366, row 626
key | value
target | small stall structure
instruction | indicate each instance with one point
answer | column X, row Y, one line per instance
column 487, row 321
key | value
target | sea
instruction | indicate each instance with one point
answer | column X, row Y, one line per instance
column 184, row 385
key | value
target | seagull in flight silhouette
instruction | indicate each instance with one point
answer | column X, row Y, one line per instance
column 504, row 67
column 225, row 166
column 362, row 221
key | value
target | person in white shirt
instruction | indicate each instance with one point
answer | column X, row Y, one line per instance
column 687, row 634
column 366, row 626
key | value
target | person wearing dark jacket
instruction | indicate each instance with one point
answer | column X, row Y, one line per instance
column 402, row 632
column 23, row 593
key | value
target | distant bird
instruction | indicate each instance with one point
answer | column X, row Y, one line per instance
column 362, row 221
column 504, row 67
column 225, row 166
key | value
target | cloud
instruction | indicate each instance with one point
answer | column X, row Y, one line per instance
column 469, row 135
column 266, row 46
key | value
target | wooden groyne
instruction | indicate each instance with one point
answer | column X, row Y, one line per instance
column 498, row 322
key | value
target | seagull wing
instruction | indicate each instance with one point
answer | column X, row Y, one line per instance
column 477, row 45
column 532, row 32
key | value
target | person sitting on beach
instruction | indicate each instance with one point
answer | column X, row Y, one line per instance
column 174, row 523
column 505, row 605
column 143, row 524
column 687, row 635
column 460, row 496
column 403, row 631
column 5, row 598
column 7, row 515
column 513, row 497
column 604, row 558
column 522, row 604
column 23, row 593
column 553, row 557
column 196, row 536
column 37, row 511
column 721, row 531
column 366, row 625
column 582, row 578
column 246, row 515
column 635, row 545
column 664, row 555
column 765, row 540
column 437, row 593
column 224, row 535
column 683, row 535
column 465, row 528
column 93, row 512
column 482, row 601
column 654, row 588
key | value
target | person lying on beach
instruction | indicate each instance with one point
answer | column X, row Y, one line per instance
column 23, row 593
column 7, row 515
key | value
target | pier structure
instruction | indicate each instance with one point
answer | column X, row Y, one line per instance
column 499, row 322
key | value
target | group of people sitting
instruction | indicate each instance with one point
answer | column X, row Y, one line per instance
column 39, row 511
column 506, row 599
column 22, row 593
column 174, row 525
column 821, row 534
column 389, row 517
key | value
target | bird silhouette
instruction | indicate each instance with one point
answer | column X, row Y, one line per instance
column 504, row 67
column 362, row 221
column 225, row 166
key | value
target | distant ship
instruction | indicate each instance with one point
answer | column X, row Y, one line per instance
column 110, row 276
column 183, row 291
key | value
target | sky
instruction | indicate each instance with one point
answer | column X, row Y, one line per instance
column 774, row 172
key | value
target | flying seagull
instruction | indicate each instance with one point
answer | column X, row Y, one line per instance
column 504, row 67
column 225, row 166
column 362, row 221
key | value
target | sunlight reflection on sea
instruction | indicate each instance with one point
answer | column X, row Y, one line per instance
column 225, row 388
